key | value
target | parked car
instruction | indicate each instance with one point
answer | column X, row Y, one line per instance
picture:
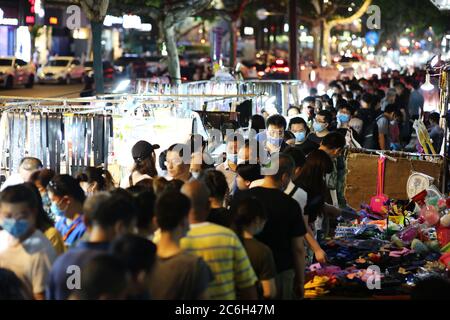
column 109, row 73
column 15, row 71
column 156, row 65
column 61, row 70
column 279, row 70
column 131, row 65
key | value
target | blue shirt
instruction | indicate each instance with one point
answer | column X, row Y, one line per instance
column 57, row 285
column 416, row 102
column 72, row 232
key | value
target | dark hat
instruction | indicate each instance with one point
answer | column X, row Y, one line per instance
column 142, row 149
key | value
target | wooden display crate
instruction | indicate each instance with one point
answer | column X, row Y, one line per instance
column 361, row 177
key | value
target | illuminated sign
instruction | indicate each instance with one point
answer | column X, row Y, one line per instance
column 131, row 22
column 128, row 22
column 53, row 20
column 29, row 19
column 7, row 21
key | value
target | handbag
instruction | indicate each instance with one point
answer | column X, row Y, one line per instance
column 377, row 203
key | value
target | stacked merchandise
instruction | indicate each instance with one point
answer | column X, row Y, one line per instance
column 396, row 245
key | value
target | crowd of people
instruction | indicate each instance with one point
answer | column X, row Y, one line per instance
column 180, row 227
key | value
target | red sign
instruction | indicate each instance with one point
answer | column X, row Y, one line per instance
column 29, row 19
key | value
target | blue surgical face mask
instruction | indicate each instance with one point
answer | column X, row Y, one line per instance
column 232, row 157
column 46, row 200
column 343, row 118
column 17, row 228
column 300, row 136
column 318, row 127
column 275, row 141
column 56, row 210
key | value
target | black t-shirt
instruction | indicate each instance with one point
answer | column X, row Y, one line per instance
column 314, row 138
column 308, row 146
column 284, row 222
column 261, row 258
column 262, row 261
column 220, row 216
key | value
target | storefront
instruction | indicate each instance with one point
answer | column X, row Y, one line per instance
column 8, row 25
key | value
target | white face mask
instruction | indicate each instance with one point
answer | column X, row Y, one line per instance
column 195, row 174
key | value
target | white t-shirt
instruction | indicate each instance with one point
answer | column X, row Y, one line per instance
column 300, row 195
column 30, row 260
column 12, row 180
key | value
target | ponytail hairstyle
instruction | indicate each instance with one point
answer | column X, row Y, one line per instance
column 102, row 177
column 146, row 165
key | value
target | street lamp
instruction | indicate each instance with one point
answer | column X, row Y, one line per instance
column 427, row 86
column 442, row 5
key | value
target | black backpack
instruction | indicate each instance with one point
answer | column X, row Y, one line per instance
column 369, row 134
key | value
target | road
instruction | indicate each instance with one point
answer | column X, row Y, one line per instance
column 46, row 91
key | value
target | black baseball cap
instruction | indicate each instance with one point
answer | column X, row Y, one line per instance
column 142, row 149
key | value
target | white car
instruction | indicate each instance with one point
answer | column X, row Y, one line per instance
column 15, row 71
column 61, row 70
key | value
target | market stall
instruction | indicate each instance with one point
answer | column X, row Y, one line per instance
column 400, row 233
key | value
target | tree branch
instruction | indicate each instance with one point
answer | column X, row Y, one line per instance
column 358, row 14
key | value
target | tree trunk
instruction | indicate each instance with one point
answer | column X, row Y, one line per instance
column 317, row 34
column 172, row 52
column 293, row 40
column 326, row 42
column 97, row 50
column 233, row 43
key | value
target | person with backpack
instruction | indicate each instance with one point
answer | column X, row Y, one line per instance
column 369, row 133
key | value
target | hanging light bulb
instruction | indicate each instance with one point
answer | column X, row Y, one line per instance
column 427, row 86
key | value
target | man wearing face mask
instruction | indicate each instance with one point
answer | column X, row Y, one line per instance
column 301, row 131
column 67, row 203
column 23, row 248
column 321, row 124
column 272, row 138
column 229, row 166
column 108, row 216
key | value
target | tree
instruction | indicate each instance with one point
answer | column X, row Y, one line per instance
column 329, row 25
column 168, row 14
column 95, row 11
column 417, row 15
column 324, row 16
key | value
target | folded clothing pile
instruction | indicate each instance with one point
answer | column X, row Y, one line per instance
column 317, row 287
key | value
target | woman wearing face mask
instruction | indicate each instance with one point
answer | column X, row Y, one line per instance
column 250, row 220
column 45, row 224
column 95, row 179
column 40, row 179
column 23, row 247
column 67, row 202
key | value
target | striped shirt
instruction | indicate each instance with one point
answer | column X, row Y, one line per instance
column 226, row 257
